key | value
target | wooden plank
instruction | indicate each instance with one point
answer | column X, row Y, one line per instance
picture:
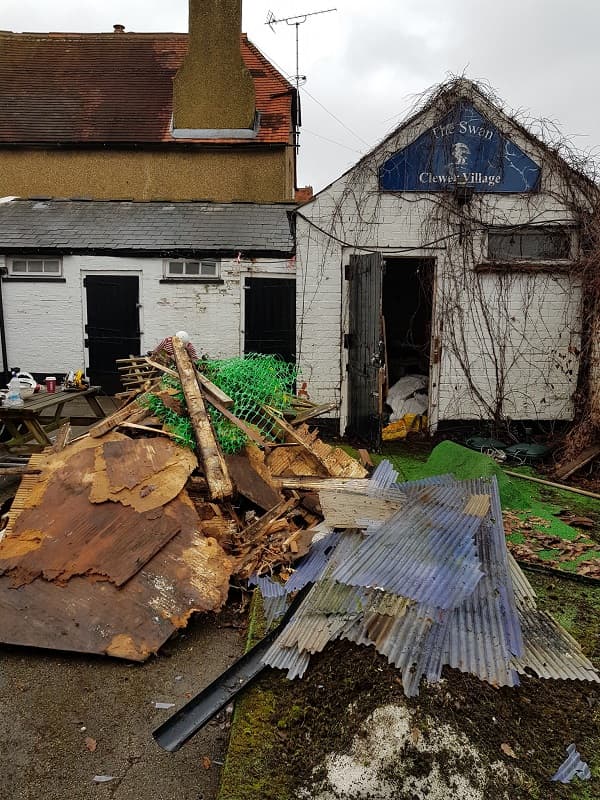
column 250, row 432
column 215, row 469
column 250, row 484
column 131, row 413
column 313, row 412
column 562, row 486
column 343, row 508
column 586, row 455
column 213, row 390
column 17, row 470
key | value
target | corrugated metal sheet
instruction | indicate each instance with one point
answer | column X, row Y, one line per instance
column 314, row 563
column 495, row 632
column 288, row 658
column 573, row 766
column 424, row 551
column 383, row 476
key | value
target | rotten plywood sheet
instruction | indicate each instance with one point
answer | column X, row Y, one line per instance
column 142, row 473
column 191, row 573
column 65, row 535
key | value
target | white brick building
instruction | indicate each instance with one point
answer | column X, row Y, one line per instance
column 476, row 223
column 85, row 282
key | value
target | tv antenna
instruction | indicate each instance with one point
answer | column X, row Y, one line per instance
column 298, row 78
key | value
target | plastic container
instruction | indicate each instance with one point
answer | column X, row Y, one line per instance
column 13, row 398
column 51, row 383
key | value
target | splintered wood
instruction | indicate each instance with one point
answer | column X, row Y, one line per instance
column 116, row 539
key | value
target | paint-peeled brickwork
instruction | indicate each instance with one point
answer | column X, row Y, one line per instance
column 505, row 341
column 45, row 320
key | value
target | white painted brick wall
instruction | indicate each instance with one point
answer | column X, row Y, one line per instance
column 45, row 321
column 538, row 315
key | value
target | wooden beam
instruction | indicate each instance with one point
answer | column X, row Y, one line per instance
column 249, row 431
column 211, row 389
column 562, row 486
column 313, row 412
column 132, row 412
column 215, row 469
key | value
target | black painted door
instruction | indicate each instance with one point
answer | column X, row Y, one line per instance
column 113, row 326
column 364, row 342
column 270, row 317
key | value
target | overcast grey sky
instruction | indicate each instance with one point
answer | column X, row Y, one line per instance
column 366, row 61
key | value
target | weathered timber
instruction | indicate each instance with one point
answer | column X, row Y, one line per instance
column 313, row 412
column 573, row 466
column 250, row 484
column 215, row 468
column 61, row 437
column 562, row 486
column 24, row 470
column 212, row 390
column 129, row 413
column 250, row 432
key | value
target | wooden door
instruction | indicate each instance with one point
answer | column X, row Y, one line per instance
column 113, row 327
column 365, row 347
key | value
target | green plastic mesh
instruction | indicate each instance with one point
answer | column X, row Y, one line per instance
column 252, row 382
column 179, row 426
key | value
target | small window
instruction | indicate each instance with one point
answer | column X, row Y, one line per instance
column 207, row 268
column 529, row 244
column 32, row 267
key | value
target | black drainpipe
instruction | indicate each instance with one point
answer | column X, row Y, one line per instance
column 5, row 371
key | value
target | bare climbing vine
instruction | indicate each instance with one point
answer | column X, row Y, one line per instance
column 495, row 331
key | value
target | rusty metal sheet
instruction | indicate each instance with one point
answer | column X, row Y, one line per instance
column 65, row 535
column 191, row 573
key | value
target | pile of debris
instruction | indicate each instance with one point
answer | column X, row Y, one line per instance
column 114, row 540
column 420, row 570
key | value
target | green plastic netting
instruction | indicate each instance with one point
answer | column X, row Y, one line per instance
column 252, row 382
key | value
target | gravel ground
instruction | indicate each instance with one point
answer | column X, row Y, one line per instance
column 67, row 718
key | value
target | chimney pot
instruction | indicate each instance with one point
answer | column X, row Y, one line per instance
column 118, row 28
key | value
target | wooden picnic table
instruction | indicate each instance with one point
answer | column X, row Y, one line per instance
column 43, row 413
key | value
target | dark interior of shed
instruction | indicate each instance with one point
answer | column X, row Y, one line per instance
column 407, row 311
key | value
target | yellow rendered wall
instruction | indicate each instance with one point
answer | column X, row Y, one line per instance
column 226, row 176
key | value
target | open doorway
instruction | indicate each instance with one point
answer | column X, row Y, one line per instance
column 407, row 305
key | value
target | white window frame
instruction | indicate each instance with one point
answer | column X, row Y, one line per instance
column 200, row 275
column 30, row 261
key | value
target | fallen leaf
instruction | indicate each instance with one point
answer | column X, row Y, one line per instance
column 507, row 750
column 206, row 762
column 91, row 744
column 415, row 734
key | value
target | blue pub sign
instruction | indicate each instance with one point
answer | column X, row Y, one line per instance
column 463, row 149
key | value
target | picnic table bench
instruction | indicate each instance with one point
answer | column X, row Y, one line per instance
column 43, row 413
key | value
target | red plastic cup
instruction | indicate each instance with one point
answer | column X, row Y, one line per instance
column 51, row 383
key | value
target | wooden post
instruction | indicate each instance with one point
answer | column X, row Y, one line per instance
column 220, row 486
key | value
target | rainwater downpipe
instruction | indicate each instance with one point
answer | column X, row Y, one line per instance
column 3, row 272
